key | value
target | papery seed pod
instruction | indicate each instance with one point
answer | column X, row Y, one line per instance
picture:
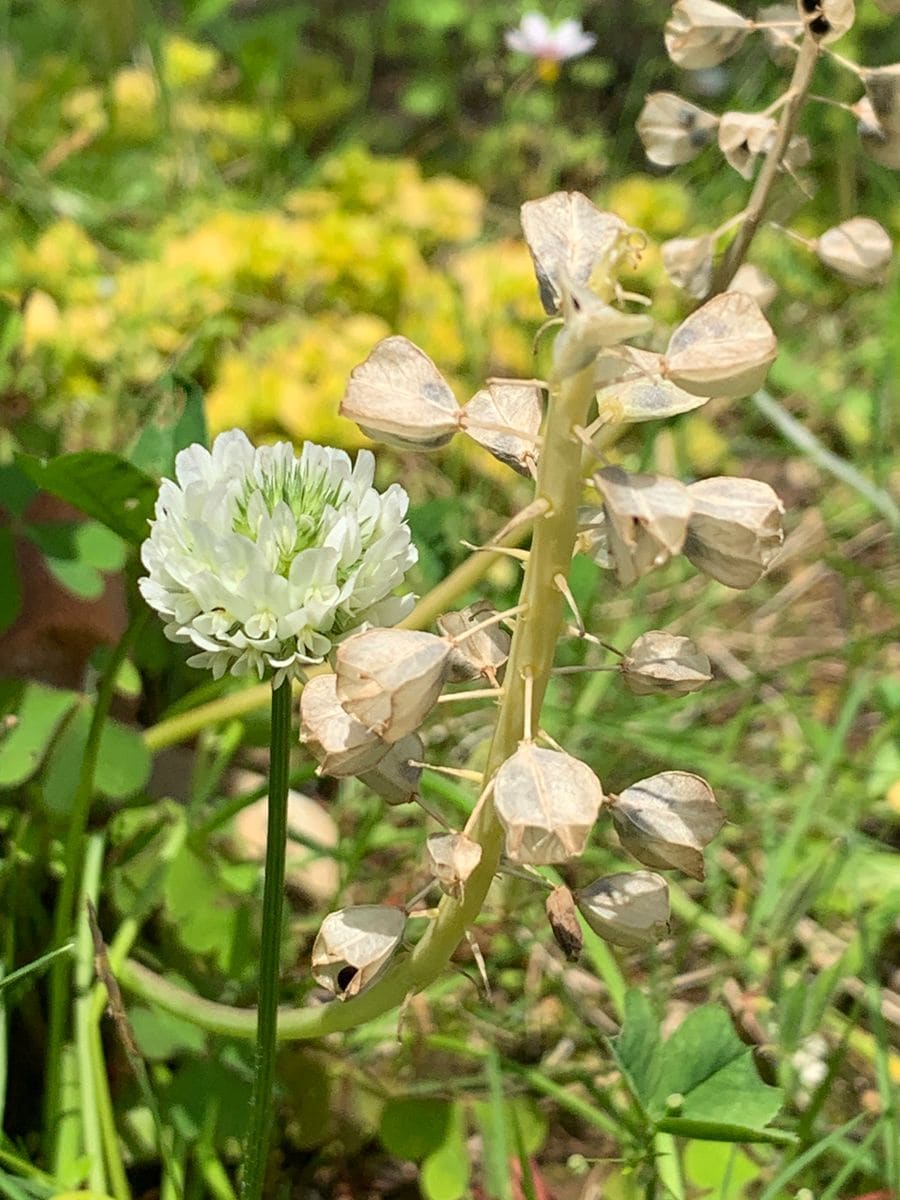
column 786, row 30
column 592, row 538
column 568, row 237
column 399, row 397
column 879, row 143
column 563, row 917
column 390, row 679
column 723, row 349
column 882, row 86
column 629, row 909
column 891, row 7
column 547, row 802
column 743, row 137
column 482, row 653
column 394, row 778
column 827, row 20
column 590, row 326
column 646, row 519
column 752, row 282
column 452, row 857
column 664, row 663
column 702, row 33
column 689, row 263
column 667, row 819
column 735, row 529
column 859, row 250
column 506, row 418
column 633, row 389
column 673, row 130
column 338, row 742
column 354, row 945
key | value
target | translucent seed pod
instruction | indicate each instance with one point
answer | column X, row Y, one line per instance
column 390, row 679
column 354, row 945
column 755, row 283
column 665, row 663
column 891, row 7
column 743, row 137
column 589, row 327
column 859, row 250
column 568, row 238
column 882, row 86
column 880, row 144
column 633, row 389
column 394, row 778
column 702, row 33
column 672, row 130
column 689, row 263
column 827, row 20
column 506, row 418
column 593, row 536
column 480, row 654
column 452, row 857
column 547, row 802
column 723, row 349
column 735, row 529
column 787, row 29
column 646, row 520
column 563, row 917
column 666, row 820
column 339, row 743
column 399, row 397
column 629, row 909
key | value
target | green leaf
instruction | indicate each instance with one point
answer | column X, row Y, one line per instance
column 445, row 1172
column 413, row 1129
column 161, row 1036
column 497, row 1133
column 99, row 546
column 156, row 448
column 16, row 489
column 99, row 484
column 80, row 578
column 196, row 1083
column 10, row 592
column 40, row 713
column 203, row 913
column 637, row 1047
column 123, row 762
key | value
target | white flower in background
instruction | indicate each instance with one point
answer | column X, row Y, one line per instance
column 537, row 38
column 262, row 559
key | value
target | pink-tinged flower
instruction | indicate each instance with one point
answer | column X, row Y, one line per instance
column 551, row 46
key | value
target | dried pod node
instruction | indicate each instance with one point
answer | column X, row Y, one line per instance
column 339, row 743
column 665, row 663
column 723, row 349
column 827, row 20
column 743, row 137
column 882, row 86
column 394, row 778
column 593, row 536
column 646, row 520
column 589, row 326
column 563, row 917
column 755, row 283
column 735, row 529
column 568, row 237
column 672, row 130
column 629, row 909
column 786, row 28
column 547, row 802
column 859, row 250
column 506, row 418
column 399, row 397
column 452, row 857
column 702, row 33
column 390, row 679
column 880, row 144
column 354, row 945
column 480, row 654
column 666, row 820
column 689, row 263
column 632, row 388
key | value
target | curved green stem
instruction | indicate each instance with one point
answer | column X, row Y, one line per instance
column 531, row 654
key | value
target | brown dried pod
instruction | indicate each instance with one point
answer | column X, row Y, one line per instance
column 673, row 130
column 646, row 519
column 506, row 418
column 743, row 137
column 632, row 388
column 723, row 349
column 394, row 778
column 629, row 909
column 568, row 237
column 735, row 529
column 563, row 917
column 879, row 143
column 482, row 653
column 665, row 663
column 452, row 857
column 859, row 250
column 827, row 20
column 702, row 33
column 339, row 743
column 667, row 819
column 390, row 679
column 755, row 283
column 689, row 263
column 399, row 397
column 547, row 802
column 354, row 945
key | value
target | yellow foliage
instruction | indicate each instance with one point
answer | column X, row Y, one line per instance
column 187, row 64
column 61, row 258
column 661, row 207
column 135, row 103
column 40, row 321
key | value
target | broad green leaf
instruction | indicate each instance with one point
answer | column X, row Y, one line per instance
column 123, row 762
column 16, row 489
column 10, row 592
column 79, row 578
column 99, row 484
column 414, row 1129
column 703, row 1044
column 445, row 1172
column 156, row 448
column 22, row 750
column 205, row 917
column 99, row 546
column 187, row 1099
column 722, row 1172
column 161, row 1036
column 637, row 1048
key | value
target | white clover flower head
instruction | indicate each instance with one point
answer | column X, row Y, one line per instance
column 550, row 45
column 262, row 559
